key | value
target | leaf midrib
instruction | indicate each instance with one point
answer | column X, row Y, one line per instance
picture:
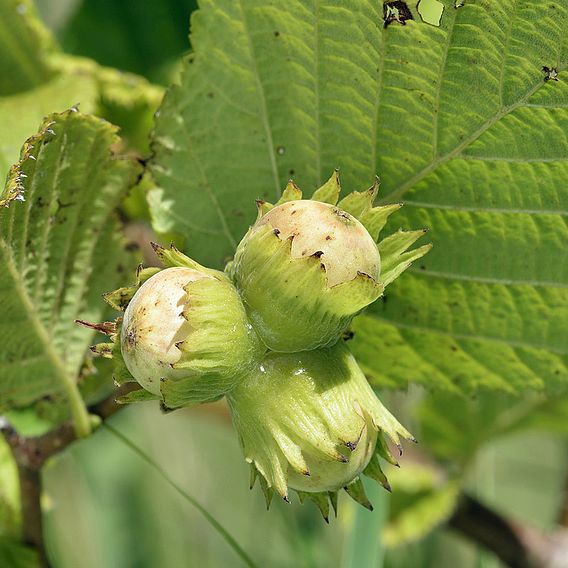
column 40, row 330
column 486, row 280
column 263, row 107
column 68, row 260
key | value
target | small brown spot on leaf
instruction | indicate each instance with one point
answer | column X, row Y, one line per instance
column 348, row 335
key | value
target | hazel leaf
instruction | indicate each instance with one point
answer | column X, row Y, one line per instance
column 462, row 125
column 25, row 64
column 57, row 213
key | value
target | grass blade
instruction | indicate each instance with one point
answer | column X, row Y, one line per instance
column 363, row 545
column 210, row 519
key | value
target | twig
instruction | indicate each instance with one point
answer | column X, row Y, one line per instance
column 486, row 527
column 563, row 516
column 31, row 453
column 516, row 544
column 32, row 530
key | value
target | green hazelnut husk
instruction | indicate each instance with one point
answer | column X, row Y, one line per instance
column 310, row 422
column 184, row 337
column 308, row 266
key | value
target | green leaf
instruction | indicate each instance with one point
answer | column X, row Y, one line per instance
column 17, row 555
column 22, row 113
column 125, row 99
column 9, row 493
column 455, row 427
column 129, row 102
column 56, row 214
column 421, row 501
column 30, row 85
column 551, row 415
column 25, row 46
column 141, row 37
column 460, row 123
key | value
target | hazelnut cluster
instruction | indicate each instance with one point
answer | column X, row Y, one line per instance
column 267, row 334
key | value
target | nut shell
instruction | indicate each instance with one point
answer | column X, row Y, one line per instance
column 345, row 246
column 154, row 323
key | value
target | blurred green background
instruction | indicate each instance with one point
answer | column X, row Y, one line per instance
column 142, row 37
column 107, row 508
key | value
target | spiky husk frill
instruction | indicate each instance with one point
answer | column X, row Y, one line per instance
column 220, row 348
column 310, row 422
column 288, row 299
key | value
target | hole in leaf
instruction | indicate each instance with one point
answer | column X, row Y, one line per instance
column 551, row 73
column 396, row 12
column 430, row 11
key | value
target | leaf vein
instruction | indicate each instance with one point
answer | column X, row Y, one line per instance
column 398, row 193
column 478, row 209
column 212, row 196
column 263, row 107
column 487, row 280
column 474, row 337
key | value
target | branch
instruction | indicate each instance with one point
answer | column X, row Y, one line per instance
column 516, row 544
column 31, row 453
column 30, row 497
column 563, row 516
